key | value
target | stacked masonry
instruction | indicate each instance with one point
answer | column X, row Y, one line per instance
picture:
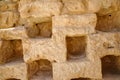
column 59, row 39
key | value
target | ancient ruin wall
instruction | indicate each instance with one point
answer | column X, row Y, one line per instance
column 59, row 40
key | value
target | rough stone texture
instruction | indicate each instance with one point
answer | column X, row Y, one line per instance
column 90, row 6
column 39, row 10
column 59, row 40
column 16, row 70
column 8, row 19
column 7, row 5
column 13, row 33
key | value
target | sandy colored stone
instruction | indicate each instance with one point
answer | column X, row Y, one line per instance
column 101, row 7
column 75, row 69
column 35, row 49
column 19, row 67
column 41, row 48
column 8, row 19
column 37, row 11
column 13, row 33
column 59, row 40
column 17, row 70
column 104, row 44
column 74, row 25
column 4, row 6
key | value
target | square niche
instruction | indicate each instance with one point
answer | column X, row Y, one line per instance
column 111, row 67
column 76, row 47
column 10, row 51
column 40, row 30
column 109, row 22
column 44, row 71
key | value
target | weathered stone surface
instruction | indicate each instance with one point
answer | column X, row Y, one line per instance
column 74, row 25
column 8, row 19
column 5, row 5
column 37, row 11
column 17, row 70
column 102, row 44
column 40, row 48
column 75, row 70
column 59, row 40
column 13, row 33
column 101, row 7
column 35, row 49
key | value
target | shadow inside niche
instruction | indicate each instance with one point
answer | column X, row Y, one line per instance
column 76, row 47
column 81, row 79
column 40, row 30
column 10, row 51
column 12, row 79
column 109, row 22
column 111, row 67
column 44, row 71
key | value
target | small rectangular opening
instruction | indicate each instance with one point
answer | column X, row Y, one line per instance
column 44, row 71
column 109, row 22
column 11, row 50
column 111, row 67
column 40, row 30
column 76, row 47
column 17, row 48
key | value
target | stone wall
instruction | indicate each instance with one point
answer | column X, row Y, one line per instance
column 59, row 39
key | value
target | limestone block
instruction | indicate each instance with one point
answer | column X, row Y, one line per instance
column 79, row 69
column 37, row 11
column 8, row 19
column 102, row 44
column 59, row 40
column 14, row 70
column 35, row 49
column 80, row 6
column 4, row 6
column 18, row 70
column 13, row 33
column 101, row 7
column 74, row 24
column 109, row 6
